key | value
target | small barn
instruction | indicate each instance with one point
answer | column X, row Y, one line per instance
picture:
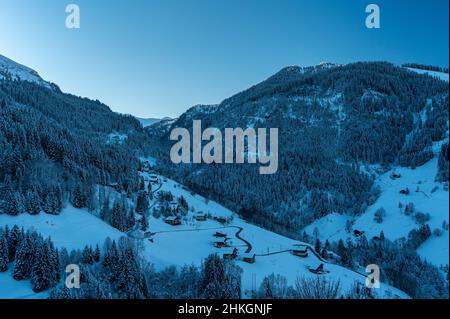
column 395, row 176
column 249, row 258
column 221, row 220
column 404, row 191
column 222, row 243
column 318, row 271
column 173, row 220
column 230, row 254
column 201, row 217
column 300, row 251
column 220, row 235
column 358, row 233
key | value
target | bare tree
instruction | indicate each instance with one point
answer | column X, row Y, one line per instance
column 317, row 288
column 274, row 287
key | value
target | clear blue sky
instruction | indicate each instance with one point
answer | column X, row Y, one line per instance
column 157, row 58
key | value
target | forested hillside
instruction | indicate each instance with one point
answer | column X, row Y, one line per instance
column 333, row 120
column 55, row 148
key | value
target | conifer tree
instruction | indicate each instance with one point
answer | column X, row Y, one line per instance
column 4, row 255
column 24, row 258
column 142, row 203
column 14, row 239
column 42, row 269
column 32, row 202
column 144, row 223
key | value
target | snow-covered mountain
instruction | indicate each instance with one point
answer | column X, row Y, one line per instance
column 331, row 119
column 16, row 71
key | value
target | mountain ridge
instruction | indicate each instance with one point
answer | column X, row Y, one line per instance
column 16, row 71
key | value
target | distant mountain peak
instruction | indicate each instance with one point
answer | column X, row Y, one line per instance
column 10, row 69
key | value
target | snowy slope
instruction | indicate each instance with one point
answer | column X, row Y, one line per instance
column 427, row 196
column 72, row 229
column 19, row 72
column 440, row 75
column 193, row 241
column 13, row 289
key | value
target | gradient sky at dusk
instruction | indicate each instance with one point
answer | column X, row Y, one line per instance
column 155, row 58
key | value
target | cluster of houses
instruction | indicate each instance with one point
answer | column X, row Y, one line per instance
column 176, row 220
column 222, row 241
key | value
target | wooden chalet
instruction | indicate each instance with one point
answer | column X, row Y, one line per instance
column 219, row 234
column 231, row 254
column 300, row 251
column 201, row 217
column 173, row 220
column 318, row 271
column 221, row 220
column 249, row 258
column 221, row 243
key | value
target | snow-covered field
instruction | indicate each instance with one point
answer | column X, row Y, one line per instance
column 440, row 75
column 72, row 229
column 13, row 289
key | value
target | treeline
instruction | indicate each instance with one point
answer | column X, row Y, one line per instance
column 443, row 164
column 121, row 273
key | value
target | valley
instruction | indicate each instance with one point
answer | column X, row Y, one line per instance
column 366, row 184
